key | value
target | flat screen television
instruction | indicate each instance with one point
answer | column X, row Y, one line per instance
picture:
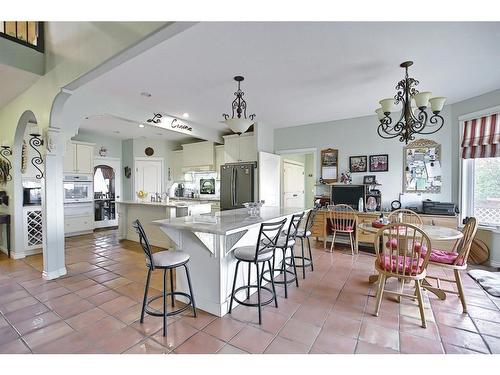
column 348, row 194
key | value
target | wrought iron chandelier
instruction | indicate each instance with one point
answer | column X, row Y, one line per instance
column 413, row 119
column 239, row 123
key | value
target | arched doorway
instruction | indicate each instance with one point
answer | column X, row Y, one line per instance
column 28, row 187
column 107, row 188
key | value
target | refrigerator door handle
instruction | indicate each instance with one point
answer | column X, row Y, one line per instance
column 235, row 190
column 233, row 186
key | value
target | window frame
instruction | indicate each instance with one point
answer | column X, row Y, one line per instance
column 40, row 47
column 466, row 169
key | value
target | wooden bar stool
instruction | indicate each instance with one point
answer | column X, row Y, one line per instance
column 163, row 260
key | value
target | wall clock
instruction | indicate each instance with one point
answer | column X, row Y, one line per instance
column 149, row 151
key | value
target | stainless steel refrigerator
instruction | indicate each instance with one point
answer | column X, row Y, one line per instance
column 237, row 185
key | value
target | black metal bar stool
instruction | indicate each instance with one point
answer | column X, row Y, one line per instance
column 286, row 241
column 262, row 252
column 304, row 234
column 163, row 260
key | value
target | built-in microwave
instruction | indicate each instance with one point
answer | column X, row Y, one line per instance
column 32, row 196
column 78, row 189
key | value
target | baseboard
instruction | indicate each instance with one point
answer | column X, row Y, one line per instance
column 54, row 274
column 73, row 234
column 24, row 254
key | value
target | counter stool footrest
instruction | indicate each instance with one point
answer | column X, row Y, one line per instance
column 171, row 313
column 247, row 287
column 288, row 281
column 306, row 262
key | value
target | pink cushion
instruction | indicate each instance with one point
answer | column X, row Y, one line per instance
column 443, row 257
column 395, row 264
column 392, row 243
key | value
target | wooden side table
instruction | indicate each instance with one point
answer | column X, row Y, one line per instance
column 5, row 219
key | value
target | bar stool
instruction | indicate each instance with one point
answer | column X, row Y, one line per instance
column 286, row 242
column 262, row 252
column 163, row 260
column 304, row 234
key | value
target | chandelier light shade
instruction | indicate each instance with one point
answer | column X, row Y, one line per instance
column 414, row 118
column 238, row 121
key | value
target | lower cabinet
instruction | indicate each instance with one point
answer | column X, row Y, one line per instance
column 78, row 219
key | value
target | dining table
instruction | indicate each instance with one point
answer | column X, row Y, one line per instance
column 435, row 233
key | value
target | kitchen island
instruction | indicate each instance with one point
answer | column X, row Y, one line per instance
column 146, row 212
column 209, row 239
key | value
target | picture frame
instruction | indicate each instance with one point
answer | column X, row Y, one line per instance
column 329, row 165
column 369, row 180
column 379, row 163
column 358, row 163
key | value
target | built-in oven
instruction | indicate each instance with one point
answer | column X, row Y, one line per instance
column 78, row 189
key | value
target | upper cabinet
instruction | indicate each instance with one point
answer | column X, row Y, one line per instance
column 200, row 154
column 219, row 158
column 240, row 148
column 176, row 166
column 79, row 158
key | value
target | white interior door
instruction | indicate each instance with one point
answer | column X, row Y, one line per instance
column 149, row 176
column 293, row 185
column 269, row 178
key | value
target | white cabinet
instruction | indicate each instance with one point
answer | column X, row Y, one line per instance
column 240, row 148
column 78, row 218
column 219, row 158
column 200, row 154
column 176, row 166
column 79, row 158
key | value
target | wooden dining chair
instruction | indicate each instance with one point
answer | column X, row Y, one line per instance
column 342, row 220
column 455, row 260
column 405, row 215
column 401, row 257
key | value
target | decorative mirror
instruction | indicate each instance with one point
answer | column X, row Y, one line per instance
column 329, row 165
column 422, row 167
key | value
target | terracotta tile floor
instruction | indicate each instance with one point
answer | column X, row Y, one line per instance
column 96, row 308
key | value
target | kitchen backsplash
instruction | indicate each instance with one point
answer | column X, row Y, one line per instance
column 192, row 184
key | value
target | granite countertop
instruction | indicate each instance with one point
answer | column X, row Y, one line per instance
column 201, row 199
column 164, row 204
column 226, row 222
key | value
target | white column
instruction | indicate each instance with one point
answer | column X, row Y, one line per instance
column 53, row 208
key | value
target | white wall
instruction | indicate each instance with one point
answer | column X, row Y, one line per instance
column 358, row 136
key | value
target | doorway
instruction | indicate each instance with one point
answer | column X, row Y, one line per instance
column 107, row 189
column 148, row 175
column 293, row 184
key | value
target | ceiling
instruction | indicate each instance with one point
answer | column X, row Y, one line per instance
column 111, row 126
column 14, row 83
column 303, row 72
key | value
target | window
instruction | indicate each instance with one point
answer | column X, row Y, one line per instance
column 28, row 33
column 481, row 185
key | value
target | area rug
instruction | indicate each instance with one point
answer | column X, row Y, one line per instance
column 489, row 281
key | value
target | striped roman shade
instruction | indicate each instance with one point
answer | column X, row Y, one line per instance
column 481, row 138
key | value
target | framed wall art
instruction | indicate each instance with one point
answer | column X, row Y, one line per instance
column 357, row 163
column 422, row 167
column 379, row 163
column 329, row 165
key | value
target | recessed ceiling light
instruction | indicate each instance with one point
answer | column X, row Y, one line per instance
column 185, row 115
column 146, row 94
column 141, row 125
column 116, row 132
column 159, row 134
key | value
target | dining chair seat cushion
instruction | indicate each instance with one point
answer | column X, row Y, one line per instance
column 392, row 243
column 443, row 256
column 398, row 264
column 169, row 258
column 302, row 233
column 247, row 254
column 345, row 228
